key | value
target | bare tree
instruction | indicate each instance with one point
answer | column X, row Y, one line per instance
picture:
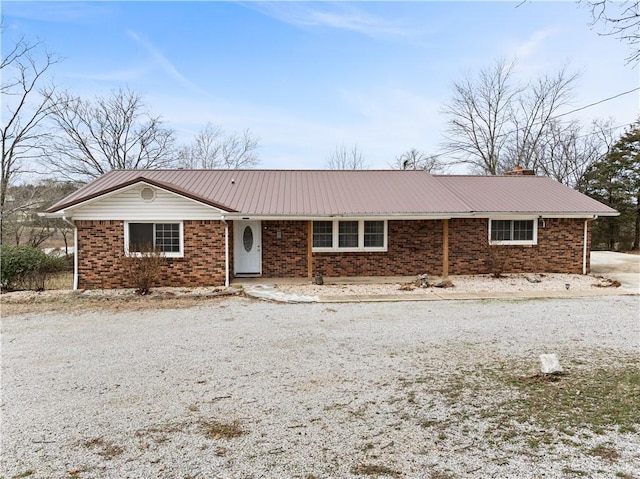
column 21, row 223
column 116, row 132
column 478, row 117
column 496, row 123
column 212, row 148
column 532, row 114
column 622, row 19
column 567, row 150
column 25, row 106
column 414, row 159
column 343, row 158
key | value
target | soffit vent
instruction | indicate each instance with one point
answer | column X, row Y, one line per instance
column 147, row 194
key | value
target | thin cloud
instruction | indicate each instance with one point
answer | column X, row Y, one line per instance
column 164, row 63
column 337, row 16
column 534, row 43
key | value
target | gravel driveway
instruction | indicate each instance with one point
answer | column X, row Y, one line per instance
column 245, row 389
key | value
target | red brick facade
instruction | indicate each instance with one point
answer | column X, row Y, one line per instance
column 413, row 247
column 284, row 249
column 559, row 248
column 101, row 246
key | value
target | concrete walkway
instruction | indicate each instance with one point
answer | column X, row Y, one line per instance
column 622, row 267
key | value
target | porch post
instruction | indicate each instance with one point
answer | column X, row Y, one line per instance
column 226, row 252
column 445, row 248
column 309, row 249
column 75, row 257
column 584, row 247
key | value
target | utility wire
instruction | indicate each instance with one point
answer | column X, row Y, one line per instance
column 501, row 135
column 597, row 102
column 438, row 155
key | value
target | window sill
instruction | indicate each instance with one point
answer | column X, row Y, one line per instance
column 513, row 243
column 164, row 255
column 348, row 250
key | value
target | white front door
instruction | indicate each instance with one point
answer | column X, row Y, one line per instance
column 247, row 251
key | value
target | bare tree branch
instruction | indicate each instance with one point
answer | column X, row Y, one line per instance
column 212, row 148
column 25, row 107
column 116, row 132
column 566, row 150
column 621, row 19
column 343, row 158
column 414, row 159
column 496, row 123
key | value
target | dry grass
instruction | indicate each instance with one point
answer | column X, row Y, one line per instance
column 105, row 449
column 375, row 470
column 57, row 281
column 222, row 430
column 27, row 473
column 539, row 409
column 72, row 303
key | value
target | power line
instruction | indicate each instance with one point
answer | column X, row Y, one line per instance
column 597, row 102
column 501, row 135
column 438, row 155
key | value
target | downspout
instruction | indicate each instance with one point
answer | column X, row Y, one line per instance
column 75, row 251
column 226, row 252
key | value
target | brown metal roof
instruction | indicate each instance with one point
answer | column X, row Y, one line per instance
column 362, row 192
column 521, row 194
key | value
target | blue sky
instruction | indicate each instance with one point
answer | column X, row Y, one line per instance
column 307, row 76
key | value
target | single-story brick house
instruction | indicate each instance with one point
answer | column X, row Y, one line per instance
column 214, row 225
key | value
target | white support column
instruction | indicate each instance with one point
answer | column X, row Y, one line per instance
column 75, row 258
column 226, row 253
column 584, row 249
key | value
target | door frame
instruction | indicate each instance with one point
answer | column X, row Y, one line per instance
column 238, row 246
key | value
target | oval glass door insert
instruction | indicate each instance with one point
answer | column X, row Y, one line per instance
column 247, row 239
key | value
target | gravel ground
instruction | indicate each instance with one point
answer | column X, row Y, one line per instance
column 237, row 388
column 461, row 284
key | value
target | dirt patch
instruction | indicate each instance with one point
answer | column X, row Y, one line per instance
column 24, row 302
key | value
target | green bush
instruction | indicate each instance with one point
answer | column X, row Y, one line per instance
column 27, row 267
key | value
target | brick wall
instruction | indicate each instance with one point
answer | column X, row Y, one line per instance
column 413, row 247
column 284, row 256
column 101, row 245
column 559, row 248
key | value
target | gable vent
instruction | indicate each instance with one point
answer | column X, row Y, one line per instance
column 147, row 194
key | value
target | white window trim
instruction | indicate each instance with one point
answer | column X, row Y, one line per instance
column 361, row 247
column 531, row 242
column 179, row 254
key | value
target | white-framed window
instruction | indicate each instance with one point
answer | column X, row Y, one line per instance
column 144, row 236
column 513, row 231
column 350, row 235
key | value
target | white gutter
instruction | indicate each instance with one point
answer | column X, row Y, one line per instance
column 226, row 251
column 416, row 216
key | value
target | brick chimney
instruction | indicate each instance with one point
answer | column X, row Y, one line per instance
column 519, row 171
